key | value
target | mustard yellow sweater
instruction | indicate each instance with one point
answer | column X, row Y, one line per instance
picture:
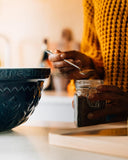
column 105, row 38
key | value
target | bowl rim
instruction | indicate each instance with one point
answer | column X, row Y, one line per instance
column 15, row 74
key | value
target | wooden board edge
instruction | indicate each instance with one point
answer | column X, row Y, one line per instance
column 89, row 145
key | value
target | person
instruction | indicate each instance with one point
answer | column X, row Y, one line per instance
column 67, row 41
column 44, row 62
column 104, row 48
column 44, row 56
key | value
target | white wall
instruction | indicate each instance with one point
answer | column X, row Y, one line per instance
column 27, row 22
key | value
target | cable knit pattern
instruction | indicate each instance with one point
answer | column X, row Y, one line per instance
column 105, row 38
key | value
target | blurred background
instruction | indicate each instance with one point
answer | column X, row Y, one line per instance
column 27, row 28
column 24, row 24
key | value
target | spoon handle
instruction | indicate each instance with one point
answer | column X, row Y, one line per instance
column 49, row 52
column 88, row 72
column 72, row 64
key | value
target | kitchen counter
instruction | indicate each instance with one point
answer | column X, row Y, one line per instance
column 31, row 143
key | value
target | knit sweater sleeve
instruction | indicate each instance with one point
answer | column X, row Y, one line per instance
column 111, row 23
column 90, row 44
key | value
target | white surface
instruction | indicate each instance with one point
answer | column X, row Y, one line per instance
column 31, row 143
column 53, row 106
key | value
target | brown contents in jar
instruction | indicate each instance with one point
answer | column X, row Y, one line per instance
column 82, row 108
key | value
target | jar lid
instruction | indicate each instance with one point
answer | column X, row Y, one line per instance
column 88, row 83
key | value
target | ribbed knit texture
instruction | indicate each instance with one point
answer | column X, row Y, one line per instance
column 105, row 38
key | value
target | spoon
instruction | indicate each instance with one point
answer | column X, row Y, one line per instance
column 87, row 72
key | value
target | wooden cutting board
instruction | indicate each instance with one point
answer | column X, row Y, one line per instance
column 110, row 139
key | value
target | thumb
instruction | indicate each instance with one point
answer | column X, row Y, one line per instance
column 57, row 51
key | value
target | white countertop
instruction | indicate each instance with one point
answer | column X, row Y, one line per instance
column 31, row 143
column 53, row 106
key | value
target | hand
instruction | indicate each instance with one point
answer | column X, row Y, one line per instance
column 117, row 103
column 83, row 61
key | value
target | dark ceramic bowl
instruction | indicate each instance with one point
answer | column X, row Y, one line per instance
column 20, row 91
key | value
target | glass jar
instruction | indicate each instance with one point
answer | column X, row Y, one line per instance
column 82, row 106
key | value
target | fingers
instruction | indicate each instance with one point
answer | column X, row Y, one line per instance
column 109, row 88
column 61, row 64
column 58, row 61
column 55, row 57
column 57, row 51
column 104, row 96
column 113, row 110
column 75, row 57
column 66, row 69
column 70, row 55
column 107, row 92
column 75, row 74
column 58, row 55
column 117, row 98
